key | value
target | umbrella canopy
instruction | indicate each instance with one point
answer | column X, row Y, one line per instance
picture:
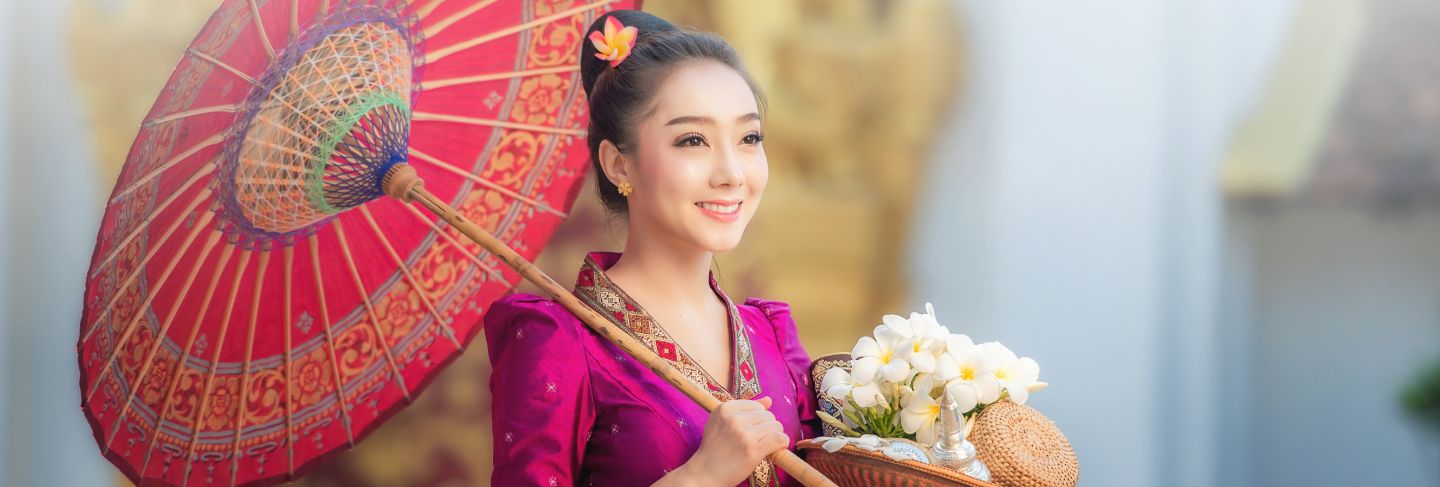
column 254, row 304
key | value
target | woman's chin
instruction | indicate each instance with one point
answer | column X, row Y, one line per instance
column 714, row 236
column 720, row 242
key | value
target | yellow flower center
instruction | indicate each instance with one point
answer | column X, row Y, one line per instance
column 967, row 373
column 1000, row 374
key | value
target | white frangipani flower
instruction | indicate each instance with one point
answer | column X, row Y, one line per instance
column 837, row 383
column 965, row 395
column 832, row 444
column 963, row 361
column 868, row 395
column 867, row 442
column 925, row 384
column 1014, row 375
column 875, row 358
column 919, row 416
column 957, row 346
column 926, row 339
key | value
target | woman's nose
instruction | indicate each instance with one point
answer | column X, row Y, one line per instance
column 727, row 170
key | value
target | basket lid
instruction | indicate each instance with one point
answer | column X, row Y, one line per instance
column 1023, row 448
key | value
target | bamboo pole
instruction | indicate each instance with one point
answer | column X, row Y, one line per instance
column 403, row 183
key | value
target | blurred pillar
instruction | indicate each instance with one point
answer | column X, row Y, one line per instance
column 1074, row 214
column 7, row 14
column 51, row 213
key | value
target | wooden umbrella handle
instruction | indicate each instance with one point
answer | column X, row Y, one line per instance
column 404, row 184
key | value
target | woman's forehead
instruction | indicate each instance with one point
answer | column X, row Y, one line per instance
column 704, row 92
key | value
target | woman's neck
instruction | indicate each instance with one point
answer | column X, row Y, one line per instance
column 665, row 273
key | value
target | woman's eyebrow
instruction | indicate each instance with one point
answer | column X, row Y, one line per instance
column 695, row 119
column 702, row 120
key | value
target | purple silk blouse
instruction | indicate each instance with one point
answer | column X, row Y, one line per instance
column 570, row 408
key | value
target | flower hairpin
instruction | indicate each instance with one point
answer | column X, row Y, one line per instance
column 615, row 43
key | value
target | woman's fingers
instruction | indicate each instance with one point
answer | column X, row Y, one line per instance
column 741, row 408
column 749, row 405
column 780, row 439
column 751, row 418
column 766, row 428
column 736, row 406
column 769, row 438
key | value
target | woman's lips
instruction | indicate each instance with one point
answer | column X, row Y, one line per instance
column 723, row 211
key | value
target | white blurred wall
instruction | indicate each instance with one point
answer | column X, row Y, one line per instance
column 1075, row 216
column 49, row 210
column 6, row 60
column 1345, row 307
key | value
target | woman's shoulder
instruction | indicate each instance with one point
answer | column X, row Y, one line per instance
column 772, row 309
column 524, row 305
column 517, row 316
column 792, row 351
column 776, row 313
column 771, row 321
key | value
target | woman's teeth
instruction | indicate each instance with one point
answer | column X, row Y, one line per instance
column 723, row 209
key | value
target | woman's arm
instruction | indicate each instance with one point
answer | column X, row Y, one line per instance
column 540, row 392
column 686, row 476
column 787, row 337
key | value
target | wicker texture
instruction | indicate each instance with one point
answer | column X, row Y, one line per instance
column 1023, row 448
column 852, row 466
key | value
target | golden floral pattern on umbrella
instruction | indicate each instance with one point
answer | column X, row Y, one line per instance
column 254, row 304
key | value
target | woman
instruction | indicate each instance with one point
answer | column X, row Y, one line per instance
column 675, row 141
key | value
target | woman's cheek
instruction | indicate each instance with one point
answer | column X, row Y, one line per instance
column 759, row 177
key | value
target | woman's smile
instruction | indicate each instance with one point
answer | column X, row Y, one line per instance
column 724, row 211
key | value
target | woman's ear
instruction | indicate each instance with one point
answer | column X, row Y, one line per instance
column 616, row 165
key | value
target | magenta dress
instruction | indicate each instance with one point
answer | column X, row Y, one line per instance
column 570, row 408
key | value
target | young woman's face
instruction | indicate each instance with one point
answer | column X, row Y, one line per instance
column 700, row 166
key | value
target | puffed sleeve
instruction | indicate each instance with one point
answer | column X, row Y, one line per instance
column 540, row 392
column 796, row 360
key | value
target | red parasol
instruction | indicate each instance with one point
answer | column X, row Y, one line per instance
column 254, row 305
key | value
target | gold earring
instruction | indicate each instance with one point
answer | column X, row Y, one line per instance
column 625, row 188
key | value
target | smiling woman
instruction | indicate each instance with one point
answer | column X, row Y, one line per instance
column 675, row 139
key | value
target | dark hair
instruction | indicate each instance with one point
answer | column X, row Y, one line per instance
column 619, row 96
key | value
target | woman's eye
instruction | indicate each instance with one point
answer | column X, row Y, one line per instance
column 691, row 141
column 752, row 139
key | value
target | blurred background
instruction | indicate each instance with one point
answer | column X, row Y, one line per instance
column 1215, row 224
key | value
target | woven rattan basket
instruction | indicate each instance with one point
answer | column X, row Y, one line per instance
column 1023, row 448
column 852, row 466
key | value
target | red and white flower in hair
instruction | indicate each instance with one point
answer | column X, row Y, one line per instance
column 615, row 43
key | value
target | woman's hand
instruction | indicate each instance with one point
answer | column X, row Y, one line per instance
column 738, row 435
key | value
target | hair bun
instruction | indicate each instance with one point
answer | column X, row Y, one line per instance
column 647, row 24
